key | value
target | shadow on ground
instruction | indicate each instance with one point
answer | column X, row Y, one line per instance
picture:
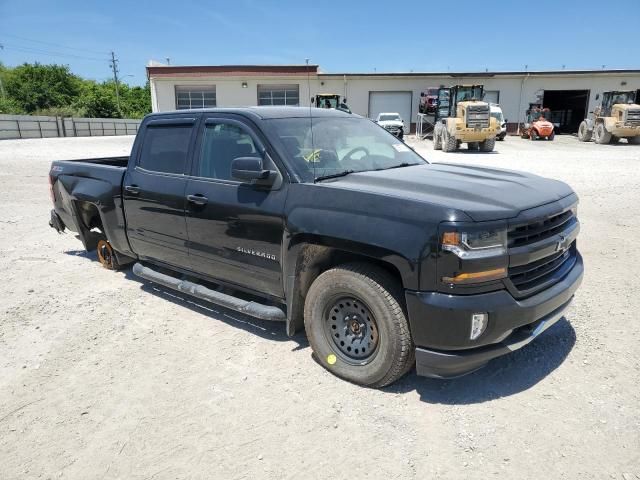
column 263, row 328
column 502, row 377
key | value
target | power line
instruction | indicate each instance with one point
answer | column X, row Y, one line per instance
column 21, row 48
column 58, row 45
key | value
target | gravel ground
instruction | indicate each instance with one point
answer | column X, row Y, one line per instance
column 104, row 376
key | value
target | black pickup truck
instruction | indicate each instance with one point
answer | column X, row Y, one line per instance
column 325, row 221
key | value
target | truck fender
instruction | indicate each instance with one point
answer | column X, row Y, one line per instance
column 308, row 255
column 90, row 193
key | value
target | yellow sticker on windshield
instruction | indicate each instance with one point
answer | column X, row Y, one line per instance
column 313, row 156
column 331, row 359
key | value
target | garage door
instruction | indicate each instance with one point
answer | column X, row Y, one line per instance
column 392, row 102
column 492, row 96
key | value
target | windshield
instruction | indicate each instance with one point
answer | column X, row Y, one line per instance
column 386, row 118
column 498, row 116
column 624, row 97
column 468, row 93
column 327, row 102
column 338, row 145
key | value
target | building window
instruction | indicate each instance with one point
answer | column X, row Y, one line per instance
column 278, row 95
column 194, row 96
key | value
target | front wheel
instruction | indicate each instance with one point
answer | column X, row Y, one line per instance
column 449, row 142
column 437, row 141
column 584, row 134
column 488, row 145
column 634, row 140
column 356, row 325
column 601, row 135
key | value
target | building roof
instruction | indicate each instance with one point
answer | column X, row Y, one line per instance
column 301, row 70
column 230, row 70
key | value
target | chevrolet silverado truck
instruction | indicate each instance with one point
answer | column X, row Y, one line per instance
column 328, row 223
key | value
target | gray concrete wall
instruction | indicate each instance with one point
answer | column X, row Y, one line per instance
column 32, row 126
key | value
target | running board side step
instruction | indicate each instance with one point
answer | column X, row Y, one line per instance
column 254, row 309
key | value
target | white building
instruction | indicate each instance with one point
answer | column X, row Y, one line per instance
column 569, row 94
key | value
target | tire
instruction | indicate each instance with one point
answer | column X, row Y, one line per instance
column 449, row 143
column 370, row 298
column 552, row 136
column 473, row 146
column 437, row 141
column 601, row 136
column 584, row 134
column 106, row 255
column 614, row 140
column 533, row 135
column 633, row 140
column 488, row 145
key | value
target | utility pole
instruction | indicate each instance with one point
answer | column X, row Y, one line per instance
column 114, row 68
column 1, row 86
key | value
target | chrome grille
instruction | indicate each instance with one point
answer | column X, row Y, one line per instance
column 633, row 115
column 478, row 116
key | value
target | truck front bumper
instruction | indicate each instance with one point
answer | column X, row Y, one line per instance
column 441, row 324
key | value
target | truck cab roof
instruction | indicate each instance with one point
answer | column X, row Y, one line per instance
column 265, row 112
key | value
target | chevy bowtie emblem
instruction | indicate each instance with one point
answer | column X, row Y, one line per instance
column 561, row 244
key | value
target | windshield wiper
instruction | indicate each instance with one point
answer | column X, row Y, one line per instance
column 333, row 175
column 400, row 165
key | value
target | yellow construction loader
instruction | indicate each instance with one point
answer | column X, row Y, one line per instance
column 463, row 117
column 617, row 116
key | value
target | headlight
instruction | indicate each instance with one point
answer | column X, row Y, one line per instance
column 480, row 244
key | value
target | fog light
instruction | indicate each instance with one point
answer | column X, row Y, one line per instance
column 478, row 324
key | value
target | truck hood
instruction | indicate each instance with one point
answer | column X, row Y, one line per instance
column 481, row 193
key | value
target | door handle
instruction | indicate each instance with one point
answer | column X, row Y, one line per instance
column 132, row 189
column 197, row 199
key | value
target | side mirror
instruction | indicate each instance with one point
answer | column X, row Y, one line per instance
column 506, row 120
column 344, row 100
column 313, row 99
column 249, row 168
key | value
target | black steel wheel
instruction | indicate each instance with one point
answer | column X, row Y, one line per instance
column 356, row 324
column 352, row 328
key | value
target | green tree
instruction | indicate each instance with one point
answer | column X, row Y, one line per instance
column 135, row 101
column 35, row 87
column 97, row 100
column 54, row 90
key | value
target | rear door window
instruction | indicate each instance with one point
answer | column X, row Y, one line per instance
column 165, row 148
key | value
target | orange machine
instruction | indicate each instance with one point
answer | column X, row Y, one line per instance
column 538, row 124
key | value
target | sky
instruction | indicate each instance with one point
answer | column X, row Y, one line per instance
column 340, row 36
